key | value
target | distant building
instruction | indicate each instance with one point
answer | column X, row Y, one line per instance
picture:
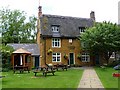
column 32, row 60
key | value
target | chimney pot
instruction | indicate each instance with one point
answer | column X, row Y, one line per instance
column 92, row 15
column 39, row 11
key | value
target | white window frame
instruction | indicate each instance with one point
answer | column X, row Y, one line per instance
column 86, row 57
column 55, row 28
column 70, row 40
column 54, row 41
column 82, row 30
column 56, row 56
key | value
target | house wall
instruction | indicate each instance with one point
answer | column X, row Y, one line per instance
column 65, row 48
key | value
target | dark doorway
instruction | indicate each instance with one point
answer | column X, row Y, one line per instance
column 71, row 55
column 17, row 60
column 97, row 59
column 36, row 61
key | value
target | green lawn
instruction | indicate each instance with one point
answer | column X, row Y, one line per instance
column 106, row 77
column 62, row 79
column 0, row 81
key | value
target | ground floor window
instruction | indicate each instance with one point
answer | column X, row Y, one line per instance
column 85, row 57
column 56, row 57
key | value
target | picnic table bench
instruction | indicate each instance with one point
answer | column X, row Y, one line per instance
column 62, row 66
column 44, row 70
column 48, row 69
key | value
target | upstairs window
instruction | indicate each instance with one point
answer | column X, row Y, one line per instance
column 81, row 29
column 55, row 28
column 56, row 42
column 70, row 40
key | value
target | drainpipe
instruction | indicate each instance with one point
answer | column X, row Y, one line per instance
column 44, row 50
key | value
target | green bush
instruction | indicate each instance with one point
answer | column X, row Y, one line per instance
column 5, row 69
column 6, row 52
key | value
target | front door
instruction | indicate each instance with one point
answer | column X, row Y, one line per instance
column 97, row 59
column 71, row 58
column 36, row 61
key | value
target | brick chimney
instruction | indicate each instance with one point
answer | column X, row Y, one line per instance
column 39, row 25
column 92, row 15
column 39, row 11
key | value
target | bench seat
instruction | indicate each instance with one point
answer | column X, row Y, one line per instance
column 45, row 72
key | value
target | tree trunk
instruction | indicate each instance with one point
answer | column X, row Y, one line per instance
column 107, row 56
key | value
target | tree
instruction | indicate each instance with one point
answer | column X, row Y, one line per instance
column 6, row 52
column 103, row 38
column 15, row 28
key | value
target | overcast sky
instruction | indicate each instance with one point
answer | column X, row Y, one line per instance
column 105, row 10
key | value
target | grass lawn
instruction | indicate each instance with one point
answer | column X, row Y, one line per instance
column 62, row 79
column 106, row 77
column 0, row 84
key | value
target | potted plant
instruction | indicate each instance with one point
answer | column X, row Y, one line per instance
column 79, row 56
column 66, row 56
column 49, row 51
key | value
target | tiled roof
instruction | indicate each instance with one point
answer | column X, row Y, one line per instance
column 68, row 26
column 33, row 48
column 21, row 50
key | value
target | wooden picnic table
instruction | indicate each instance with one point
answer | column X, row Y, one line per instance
column 45, row 70
column 21, row 69
column 63, row 66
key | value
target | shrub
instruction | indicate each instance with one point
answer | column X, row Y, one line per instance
column 6, row 52
column 66, row 56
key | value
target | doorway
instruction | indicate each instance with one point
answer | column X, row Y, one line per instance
column 71, row 58
column 36, row 61
column 97, row 59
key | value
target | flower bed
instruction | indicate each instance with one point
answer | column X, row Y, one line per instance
column 116, row 74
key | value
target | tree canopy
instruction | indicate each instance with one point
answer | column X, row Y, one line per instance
column 102, row 38
column 15, row 28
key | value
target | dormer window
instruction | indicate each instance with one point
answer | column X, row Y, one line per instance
column 55, row 28
column 82, row 29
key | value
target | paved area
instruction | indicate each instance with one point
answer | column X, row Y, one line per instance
column 90, row 80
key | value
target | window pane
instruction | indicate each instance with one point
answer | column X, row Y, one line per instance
column 58, row 58
column 55, row 43
column 55, row 28
column 54, row 59
column 58, row 54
